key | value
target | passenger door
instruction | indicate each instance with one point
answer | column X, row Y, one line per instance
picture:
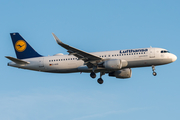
column 152, row 53
column 41, row 62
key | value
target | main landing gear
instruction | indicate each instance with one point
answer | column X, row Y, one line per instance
column 100, row 80
column 153, row 69
column 93, row 74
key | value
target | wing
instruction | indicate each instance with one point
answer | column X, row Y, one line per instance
column 82, row 55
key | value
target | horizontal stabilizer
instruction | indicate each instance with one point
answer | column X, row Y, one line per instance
column 17, row 61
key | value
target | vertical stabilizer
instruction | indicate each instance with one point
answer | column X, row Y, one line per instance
column 22, row 48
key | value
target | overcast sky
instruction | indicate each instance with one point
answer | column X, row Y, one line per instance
column 90, row 25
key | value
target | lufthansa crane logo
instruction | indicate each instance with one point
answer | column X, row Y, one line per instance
column 20, row 45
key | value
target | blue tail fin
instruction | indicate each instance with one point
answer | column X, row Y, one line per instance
column 22, row 48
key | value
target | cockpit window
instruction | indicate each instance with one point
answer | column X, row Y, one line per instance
column 165, row 51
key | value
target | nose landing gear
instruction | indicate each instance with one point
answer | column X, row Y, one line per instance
column 153, row 69
column 154, row 73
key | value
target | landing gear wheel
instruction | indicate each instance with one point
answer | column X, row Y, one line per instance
column 100, row 81
column 154, row 73
column 93, row 75
column 153, row 69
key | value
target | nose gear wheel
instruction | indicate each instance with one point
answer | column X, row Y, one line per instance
column 153, row 69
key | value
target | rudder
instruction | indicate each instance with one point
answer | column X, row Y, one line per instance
column 22, row 48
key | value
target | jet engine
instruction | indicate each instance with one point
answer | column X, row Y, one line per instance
column 115, row 64
column 124, row 73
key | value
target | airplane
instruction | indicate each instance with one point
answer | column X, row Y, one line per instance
column 114, row 63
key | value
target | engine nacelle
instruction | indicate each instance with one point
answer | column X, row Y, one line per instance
column 115, row 64
column 124, row 73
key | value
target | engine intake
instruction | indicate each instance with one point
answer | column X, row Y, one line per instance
column 124, row 73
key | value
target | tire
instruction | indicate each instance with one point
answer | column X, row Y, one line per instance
column 100, row 81
column 93, row 75
column 154, row 73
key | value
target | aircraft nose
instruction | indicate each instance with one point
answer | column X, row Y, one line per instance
column 174, row 58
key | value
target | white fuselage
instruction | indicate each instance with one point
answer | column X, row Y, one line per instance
column 68, row 63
